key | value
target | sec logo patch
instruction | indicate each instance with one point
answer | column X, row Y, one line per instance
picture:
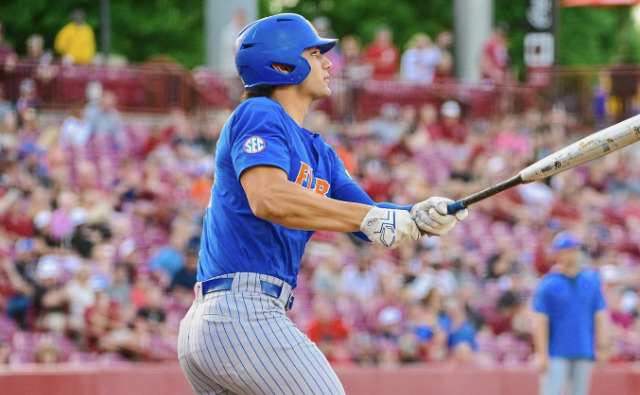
column 253, row 145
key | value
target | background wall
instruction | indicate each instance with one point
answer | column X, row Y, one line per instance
column 167, row 379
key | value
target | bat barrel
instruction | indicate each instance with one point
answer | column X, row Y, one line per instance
column 476, row 197
column 589, row 148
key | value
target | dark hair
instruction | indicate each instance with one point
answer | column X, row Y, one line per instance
column 258, row 91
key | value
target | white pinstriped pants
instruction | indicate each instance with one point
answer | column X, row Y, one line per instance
column 241, row 342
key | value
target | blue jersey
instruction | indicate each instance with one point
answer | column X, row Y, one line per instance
column 570, row 304
column 260, row 132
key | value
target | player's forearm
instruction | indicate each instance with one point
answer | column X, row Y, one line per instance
column 294, row 207
column 602, row 329
column 541, row 333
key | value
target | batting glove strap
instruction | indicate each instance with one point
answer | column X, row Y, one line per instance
column 431, row 216
column 390, row 228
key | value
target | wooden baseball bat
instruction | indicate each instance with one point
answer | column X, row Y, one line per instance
column 591, row 147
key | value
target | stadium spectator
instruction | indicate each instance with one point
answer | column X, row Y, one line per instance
column 452, row 127
column 7, row 54
column 354, row 66
column 9, row 140
column 75, row 42
column 359, row 279
column 570, row 318
column 62, row 225
column 382, row 54
column 185, row 279
column 327, row 329
column 28, row 100
column 47, row 351
column 75, row 131
column 152, row 311
column 81, row 296
column 38, row 60
column 103, row 323
column 444, row 69
column 120, row 287
column 106, row 119
column 5, row 47
column 418, row 63
column 461, row 331
column 494, row 60
column 6, row 106
column 389, row 126
column 5, row 352
column 326, row 277
column 12, row 215
column 20, row 286
column 93, row 95
column 50, row 299
column 169, row 259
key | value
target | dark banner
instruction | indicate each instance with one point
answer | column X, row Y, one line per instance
column 539, row 40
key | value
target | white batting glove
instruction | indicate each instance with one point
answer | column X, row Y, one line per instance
column 390, row 228
column 432, row 218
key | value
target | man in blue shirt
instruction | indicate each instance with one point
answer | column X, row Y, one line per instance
column 569, row 317
column 275, row 184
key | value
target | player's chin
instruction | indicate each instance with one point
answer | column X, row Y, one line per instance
column 324, row 93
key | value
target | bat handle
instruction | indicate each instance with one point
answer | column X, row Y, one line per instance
column 478, row 196
column 455, row 207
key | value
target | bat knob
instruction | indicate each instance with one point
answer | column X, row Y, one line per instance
column 455, row 207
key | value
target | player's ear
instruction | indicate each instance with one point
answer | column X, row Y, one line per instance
column 283, row 68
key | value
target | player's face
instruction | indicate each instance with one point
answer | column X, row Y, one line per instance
column 317, row 82
column 569, row 257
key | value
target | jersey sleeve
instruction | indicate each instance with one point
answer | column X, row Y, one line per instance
column 600, row 302
column 540, row 303
column 258, row 139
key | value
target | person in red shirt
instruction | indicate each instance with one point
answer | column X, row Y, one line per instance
column 382, row 54
column 451, row 126
column 327, row 330
column 494, row 63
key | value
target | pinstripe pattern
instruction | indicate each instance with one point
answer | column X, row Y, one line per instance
column 241, row 342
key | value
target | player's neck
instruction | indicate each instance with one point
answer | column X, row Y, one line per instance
column 292, row 102
column 569, row 269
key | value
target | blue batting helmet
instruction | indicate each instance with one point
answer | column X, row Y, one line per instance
column 277, row 39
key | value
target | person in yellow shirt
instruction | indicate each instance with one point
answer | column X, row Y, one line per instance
column 76, row 41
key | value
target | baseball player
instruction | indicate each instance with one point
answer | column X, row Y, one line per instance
column 275, row 184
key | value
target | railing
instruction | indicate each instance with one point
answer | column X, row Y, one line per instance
column 155, row 88
column 591, row 94
column 139, row 88
column 605, row 94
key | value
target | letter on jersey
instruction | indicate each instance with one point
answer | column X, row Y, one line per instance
column 306, row 179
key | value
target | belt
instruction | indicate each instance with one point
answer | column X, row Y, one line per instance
column 267, row 288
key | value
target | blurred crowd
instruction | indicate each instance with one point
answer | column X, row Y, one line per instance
column 101, row 214
column 422, row 60
column 100, row 218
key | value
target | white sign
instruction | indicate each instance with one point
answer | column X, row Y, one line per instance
column 539, row 50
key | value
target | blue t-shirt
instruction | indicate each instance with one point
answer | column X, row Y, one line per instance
column 570, row 304
column 464, row 333
column 260, row 132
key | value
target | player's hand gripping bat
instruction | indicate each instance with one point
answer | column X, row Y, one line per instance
column 591, row 147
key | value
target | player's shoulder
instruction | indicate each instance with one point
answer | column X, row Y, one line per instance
column 549, row 279
column 590, row 275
